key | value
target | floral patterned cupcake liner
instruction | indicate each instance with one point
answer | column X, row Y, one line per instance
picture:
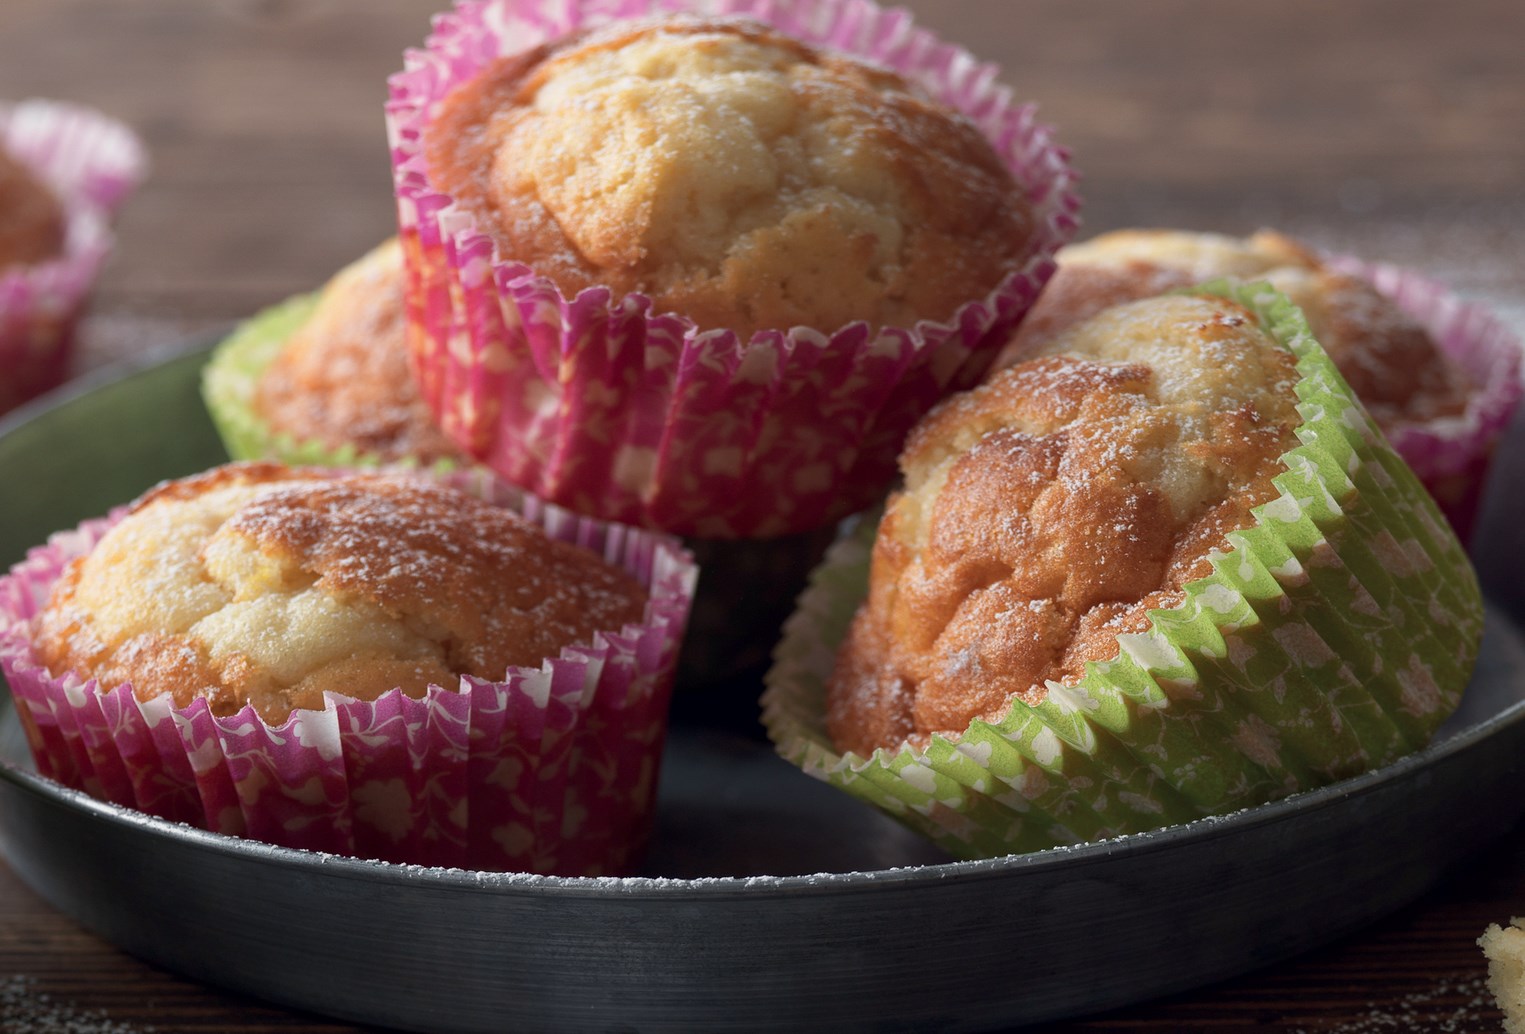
column 91, row 163
column 231, row 377
column 1333, row 635
column 1452, row 456
column 601, row 405
column 551, row 770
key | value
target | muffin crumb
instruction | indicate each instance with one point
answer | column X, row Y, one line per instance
column 1504, row 948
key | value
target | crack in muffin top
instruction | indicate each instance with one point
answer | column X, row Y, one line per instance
column 1049, row 510
column 257, row 584
column 737, row 176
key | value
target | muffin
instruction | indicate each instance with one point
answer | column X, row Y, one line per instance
column 1047, row 513
column 325, row 379
column 1435, row 384
column 1166, row 569
column 64, row 170
column 378, row 664
column 702, row 273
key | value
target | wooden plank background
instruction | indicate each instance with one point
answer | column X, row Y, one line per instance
column 1393, row 127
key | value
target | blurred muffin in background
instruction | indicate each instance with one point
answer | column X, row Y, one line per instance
column 64, row 171
column 1387, row 356
column 31, row 218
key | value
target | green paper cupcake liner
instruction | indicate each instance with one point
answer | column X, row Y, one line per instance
column 1333, row 635
column 228, row 384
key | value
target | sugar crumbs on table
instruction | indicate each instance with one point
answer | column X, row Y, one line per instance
column 26, row 1010
column 1458, row 1006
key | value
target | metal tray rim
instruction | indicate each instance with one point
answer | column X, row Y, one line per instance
column 1203, row 829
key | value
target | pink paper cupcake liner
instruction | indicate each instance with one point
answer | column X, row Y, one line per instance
column 1452, row 456
column 91, row 163
column 602, row 406
column 552, row 770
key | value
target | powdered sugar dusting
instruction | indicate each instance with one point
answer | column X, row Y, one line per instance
column 603, row 701
column 1052, row 508
column 255, row 580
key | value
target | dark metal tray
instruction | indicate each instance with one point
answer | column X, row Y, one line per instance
column 773, row 902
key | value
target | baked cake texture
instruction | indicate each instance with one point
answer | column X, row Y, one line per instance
column 1505, row 949
column 658, row 235
column 343, row 377
column 258, row 584
column 1048, row 511
column 1168, row 569
column 733, row 174
column 1387, row 357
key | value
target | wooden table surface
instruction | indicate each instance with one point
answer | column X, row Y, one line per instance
column 1391, row 129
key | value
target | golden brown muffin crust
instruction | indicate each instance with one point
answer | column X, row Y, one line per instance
column 1078, row 291
column 31, row 219
column 1049, row 510
column 257, row 584
column 1389, row 359
column 344, row 377
column 735, row 175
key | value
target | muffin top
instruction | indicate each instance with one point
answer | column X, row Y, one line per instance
column 1389, row 359
column 257, row 584
column 31, row 219
column 735, row 175
column 344, row 378
column 1049, row 510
